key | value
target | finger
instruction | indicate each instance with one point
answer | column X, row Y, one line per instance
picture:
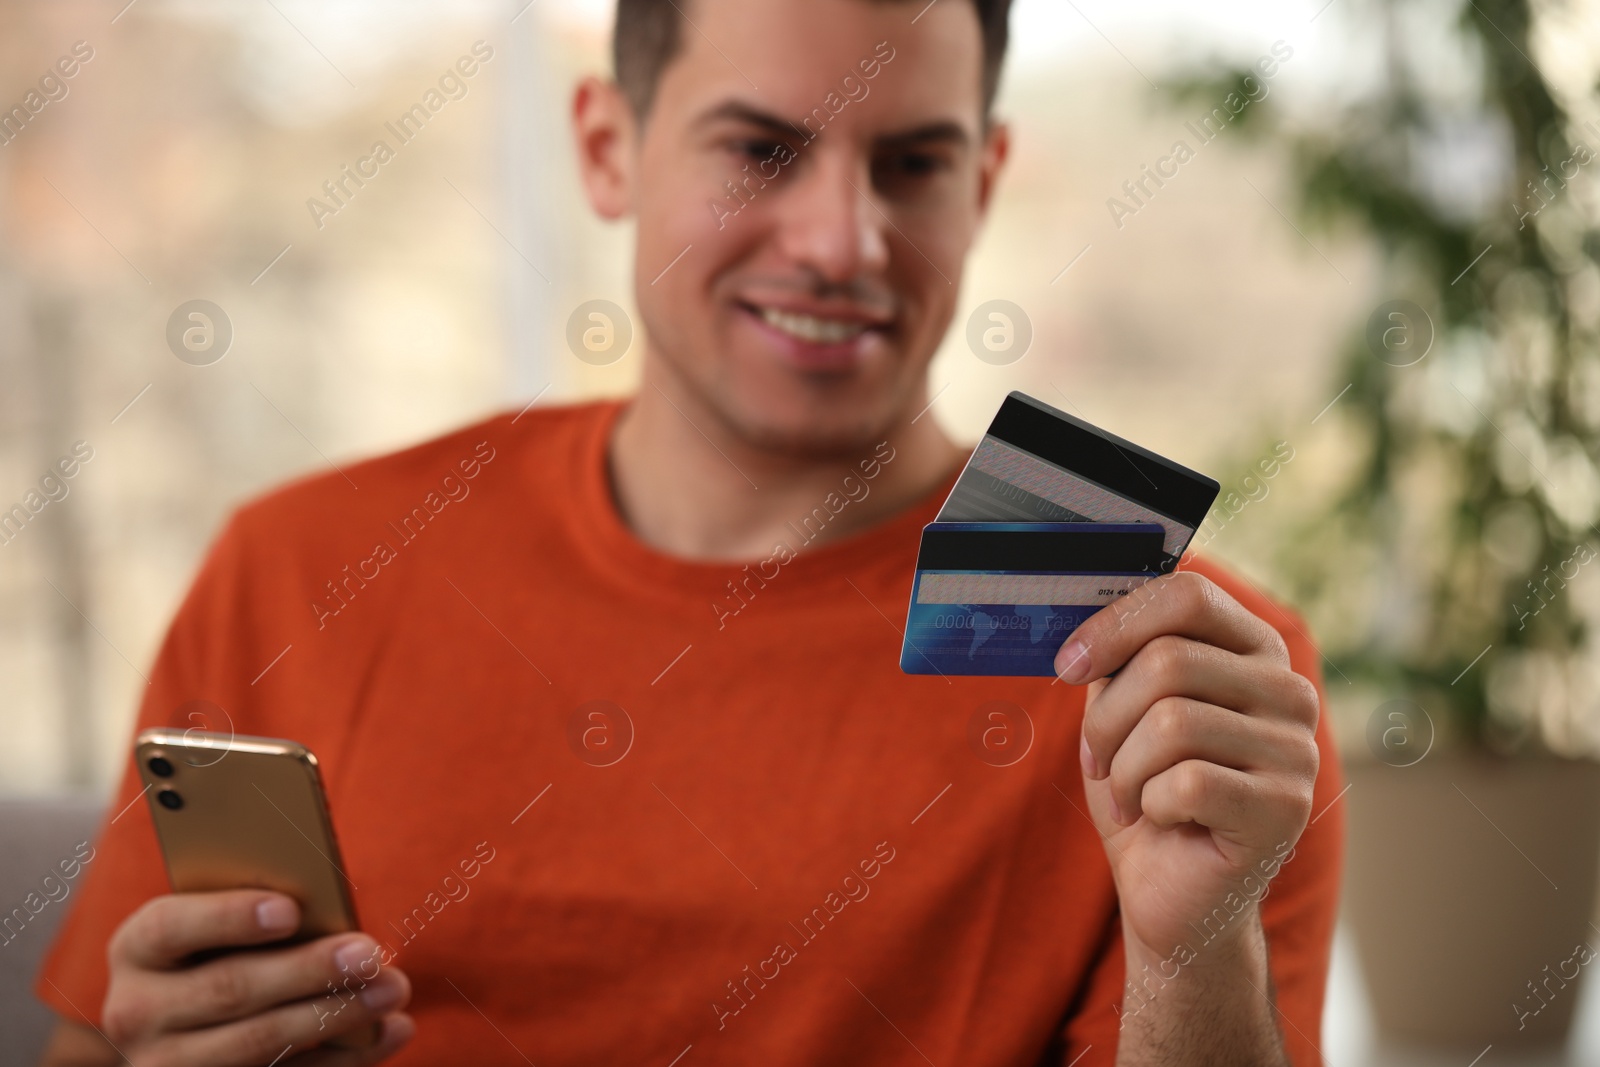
column 303, row 1025
column 248, row 983
column 1225, row 801
column 1178, row 667
column 1185, row 604
column 1176, row 729
column 167, row 929
column 398, row 1030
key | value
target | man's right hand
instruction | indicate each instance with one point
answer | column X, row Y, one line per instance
column 247, row 1008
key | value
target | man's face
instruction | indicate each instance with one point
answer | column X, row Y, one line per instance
column 802, row 303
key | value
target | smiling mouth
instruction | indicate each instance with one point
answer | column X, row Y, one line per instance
column 812, row 328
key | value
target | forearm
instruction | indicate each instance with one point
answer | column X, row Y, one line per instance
column 1201, row 1004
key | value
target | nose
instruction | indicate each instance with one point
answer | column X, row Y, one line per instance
column 828, row 220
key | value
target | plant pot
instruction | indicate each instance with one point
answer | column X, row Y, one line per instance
column 1470, row 884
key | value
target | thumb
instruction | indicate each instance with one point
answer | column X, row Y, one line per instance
column 1097, row 792
column 1091, row 693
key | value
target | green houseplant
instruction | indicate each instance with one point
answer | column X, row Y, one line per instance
column 1488, row 449
column 1463, row 528
column 1451, row 577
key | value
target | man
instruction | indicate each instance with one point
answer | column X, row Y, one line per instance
column 636, row 665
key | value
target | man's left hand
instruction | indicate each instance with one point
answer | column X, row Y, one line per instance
column 1199, row 756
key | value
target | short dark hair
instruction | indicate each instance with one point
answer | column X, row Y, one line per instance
column 649, row 33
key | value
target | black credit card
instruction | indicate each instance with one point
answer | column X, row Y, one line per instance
column 1038, row 464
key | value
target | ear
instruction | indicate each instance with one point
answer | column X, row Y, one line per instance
column 996, row 149
column 604, row 131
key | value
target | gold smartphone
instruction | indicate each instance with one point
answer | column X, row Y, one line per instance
column 233, row 812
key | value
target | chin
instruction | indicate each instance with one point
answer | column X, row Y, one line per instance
column 839, row 427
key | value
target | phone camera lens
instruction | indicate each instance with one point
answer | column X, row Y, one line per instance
column 170, row 799
column 160, row 766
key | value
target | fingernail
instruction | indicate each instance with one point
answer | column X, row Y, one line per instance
column 1077, row 669
column 1086, row 757
column 277, row 914
column 357, row 958
column 381, row 996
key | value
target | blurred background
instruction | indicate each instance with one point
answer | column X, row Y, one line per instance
column 1379, row 259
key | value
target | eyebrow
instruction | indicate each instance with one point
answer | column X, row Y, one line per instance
column 738, row 111
column 943, row 130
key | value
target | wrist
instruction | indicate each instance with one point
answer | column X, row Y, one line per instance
column 1222, row 942
column 1216, row 972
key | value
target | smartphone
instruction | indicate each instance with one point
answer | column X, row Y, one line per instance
column 235, row 812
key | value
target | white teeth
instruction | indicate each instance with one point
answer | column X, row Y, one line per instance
column 810, row 328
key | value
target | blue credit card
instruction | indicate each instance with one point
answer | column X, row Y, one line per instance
column 1001, row 598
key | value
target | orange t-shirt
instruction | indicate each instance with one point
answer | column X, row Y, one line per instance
column 780, row 849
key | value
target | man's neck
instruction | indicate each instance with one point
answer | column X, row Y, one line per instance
column 687, row 485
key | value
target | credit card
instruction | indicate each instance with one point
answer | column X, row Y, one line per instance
column 1038, row 464
column 1000, row 598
